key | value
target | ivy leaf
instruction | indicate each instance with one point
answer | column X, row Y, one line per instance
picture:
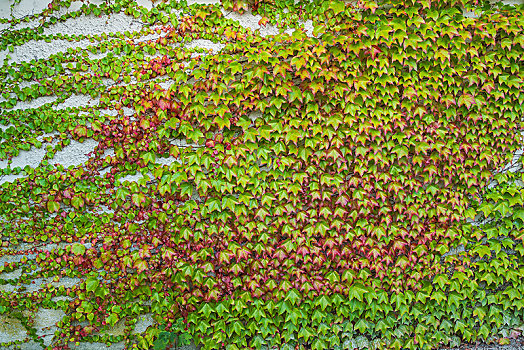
column 80, row 131
column 91, row 284
column 207, row 310
column 138, row 199
column 503, row 208
column 480, row 312
column 422, row 147
column 519, row 214
column 112, row 319
column 140, row 265
column 78, row 249
column 229, row 202
column 186, row 189
column 213, row 204
column 237, row 328
column 122, row 193
column 164, row 338
column 293, row 296
column 319, row 29
column 178, row 177
column 337, row 6
column 53, row 206
column 482, row 251
column 149, row 157
column 361, row 325
column 77, row 202
column 439, row 296
column 324, row 302
column 295, row 94
column 486, row 208
column 442, row 280
column 357, row 291
column 221, row 310
column 466, row 100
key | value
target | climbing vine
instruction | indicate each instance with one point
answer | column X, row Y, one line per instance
column 311, row 189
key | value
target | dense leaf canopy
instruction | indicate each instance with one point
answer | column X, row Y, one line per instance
column 308, row 189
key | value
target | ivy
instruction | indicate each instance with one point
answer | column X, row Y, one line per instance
column 335, row 186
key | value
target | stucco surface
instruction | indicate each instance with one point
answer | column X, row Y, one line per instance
column 77, row 153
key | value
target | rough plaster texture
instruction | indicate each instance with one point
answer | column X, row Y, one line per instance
column 77, row 153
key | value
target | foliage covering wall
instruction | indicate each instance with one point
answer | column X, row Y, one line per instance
column 297, row 192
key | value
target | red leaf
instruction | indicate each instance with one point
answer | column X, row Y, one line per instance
column 163, row 104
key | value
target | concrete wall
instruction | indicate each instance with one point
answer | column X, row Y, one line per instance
column 76, row 153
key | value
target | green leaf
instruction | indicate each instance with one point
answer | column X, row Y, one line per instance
column 466, row 100
column 439, row 296
column 178, row 177
column 470, row 213
column 78, row 249
column 112, row 319
column 138, row 199
column 357, row 291
column 77, row 202
column 487, row 209
column 480, row 312
column 442, row 280
column 337, row 6
column 482, row 251
column 422, row 147
column 361, row 325
column 164, row 338
column 149, row 157
column 207, row 310
column 295, row 94
column 293, row 296
column 324, row 302
column 186, row 189
column 122, row 193
column 140, row 265
column 519, row 214
column 237, row 328
column 503, row 208
column 91, row 284
column 53, row 206
column 213, row 204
